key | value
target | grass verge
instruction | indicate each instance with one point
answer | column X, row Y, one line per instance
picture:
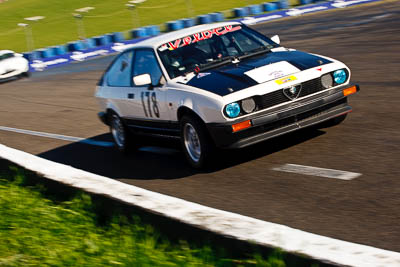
column 59, row 26
column 44, row 225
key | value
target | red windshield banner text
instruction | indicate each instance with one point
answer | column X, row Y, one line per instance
column 199, row 37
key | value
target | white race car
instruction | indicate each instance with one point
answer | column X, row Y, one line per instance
column 219, row 85
column 12, row 65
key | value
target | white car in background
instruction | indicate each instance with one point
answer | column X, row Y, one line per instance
column 12, row 65
column 221, row 85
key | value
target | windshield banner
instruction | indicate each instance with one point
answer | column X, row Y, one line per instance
column 198, row 37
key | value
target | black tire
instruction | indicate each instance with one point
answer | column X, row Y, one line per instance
column 121, row 136
column 196, row 143
column 332, row 122
column 24, row 75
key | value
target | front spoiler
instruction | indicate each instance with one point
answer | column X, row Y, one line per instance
column 284, row 119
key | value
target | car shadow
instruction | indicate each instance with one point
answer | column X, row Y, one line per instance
column 162, row 159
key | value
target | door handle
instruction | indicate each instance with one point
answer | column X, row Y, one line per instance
column 131, row 96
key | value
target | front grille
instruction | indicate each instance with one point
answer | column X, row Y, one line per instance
column 311, row 87
column 291, row 120
column 278, row 97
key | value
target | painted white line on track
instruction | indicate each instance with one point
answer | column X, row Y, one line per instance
column 314, row 171
column 225, row 223
column 58, row 136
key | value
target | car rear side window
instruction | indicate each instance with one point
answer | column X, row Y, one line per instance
column 5, row 56
column 120, row 73
column 146, row 62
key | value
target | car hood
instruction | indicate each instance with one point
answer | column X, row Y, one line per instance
column 249, row 72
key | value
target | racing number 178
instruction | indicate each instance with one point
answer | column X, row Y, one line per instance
column 152, row 106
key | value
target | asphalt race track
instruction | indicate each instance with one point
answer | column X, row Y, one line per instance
column 364, row 210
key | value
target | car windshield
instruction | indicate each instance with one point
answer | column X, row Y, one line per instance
column 6, row 55
column 212, row 48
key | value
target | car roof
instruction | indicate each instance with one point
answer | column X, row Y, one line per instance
column 3, row 52
column 159, row 40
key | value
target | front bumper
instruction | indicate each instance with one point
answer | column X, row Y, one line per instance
column 284, row 119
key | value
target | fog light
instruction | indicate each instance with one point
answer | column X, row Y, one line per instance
column 327, row 81
column 248, row 105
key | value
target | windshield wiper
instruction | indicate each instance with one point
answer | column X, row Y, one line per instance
column 255, row 52
column 216, row 63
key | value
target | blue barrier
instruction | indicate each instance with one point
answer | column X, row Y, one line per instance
column 46, row 52
column 32, row 55
column 109, row 38
column 174, row 25
column 75, row 46
column 102, row 40
column 305, row 2
column 152, row 30
column 267, row 7
column 61, row 50
column 282, row 4
column 241, row 12
column 42, row 52
column 115, row 37
column 118, row 37
column 217, row 17
column 255, row 9
column 138, row 33
column 188, row 23
column 36, row 54
column 90, row 43
column 53, row 50
column 204, row 19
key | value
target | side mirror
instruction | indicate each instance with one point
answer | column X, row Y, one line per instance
column 142, row 79
column 276, row 39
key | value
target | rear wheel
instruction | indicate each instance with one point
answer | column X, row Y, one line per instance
column 120, row 134
column 196, row 144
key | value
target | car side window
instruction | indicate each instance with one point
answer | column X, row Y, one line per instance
column 146, row 62
column 119, row 74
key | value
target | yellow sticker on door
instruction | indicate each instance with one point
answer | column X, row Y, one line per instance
column 286, row 80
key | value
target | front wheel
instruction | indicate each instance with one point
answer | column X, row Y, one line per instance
column 196, row 143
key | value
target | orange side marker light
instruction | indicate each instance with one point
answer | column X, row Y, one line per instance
column 350, row 90
column 241, row 125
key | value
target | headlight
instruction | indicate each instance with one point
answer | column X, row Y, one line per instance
column 248, row 105
column 340, row 76
column 232, row 110
column 327, row 80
